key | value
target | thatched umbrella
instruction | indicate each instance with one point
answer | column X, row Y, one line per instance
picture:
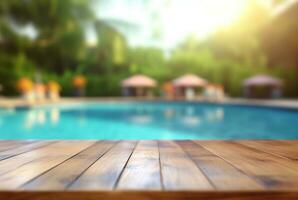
column 189, row 80
column 185, row 85
column 137, row 85
column 262, row 80
column 272, row 84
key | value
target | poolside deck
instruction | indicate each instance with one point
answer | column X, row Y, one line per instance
column 149, row 169
column 12, row 103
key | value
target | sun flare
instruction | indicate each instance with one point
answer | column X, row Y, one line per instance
column 199, row 17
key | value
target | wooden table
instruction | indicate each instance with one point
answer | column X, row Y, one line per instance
column 149, row 169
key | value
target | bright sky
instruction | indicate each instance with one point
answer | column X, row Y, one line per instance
column 177, row 19
column 198, row 17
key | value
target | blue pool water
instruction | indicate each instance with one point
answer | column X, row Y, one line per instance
column 161, row 120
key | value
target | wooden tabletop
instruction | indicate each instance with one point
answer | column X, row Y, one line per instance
column 160, row 169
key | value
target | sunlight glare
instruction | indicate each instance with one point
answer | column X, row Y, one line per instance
column 199, row 17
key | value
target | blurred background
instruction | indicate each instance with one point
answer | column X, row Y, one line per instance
column 96, row 44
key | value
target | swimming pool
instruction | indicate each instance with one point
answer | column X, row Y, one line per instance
column 149, row 120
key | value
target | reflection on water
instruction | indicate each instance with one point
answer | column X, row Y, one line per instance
column 148, row 121
column 186, row 116
column 141, row 115
column 141, row 119
column 39, row 117
column 190, row 118
column 191, row 121
column 189, row 110
column 55, row 115
column 81, row 118
column 29, row 120
column 193, row 118
column 169, row 113
column 215, row 115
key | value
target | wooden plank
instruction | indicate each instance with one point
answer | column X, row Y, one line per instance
column 14, row 162
column 148, row 195
column 185, row 165
column 63, row 175
column 286, row 149
column 36, row 162
column 142, row 170
column 104, row 173
column 11, row 144
column 273, row 172
column 222, row 174
column 178, row 171
column 23, row 148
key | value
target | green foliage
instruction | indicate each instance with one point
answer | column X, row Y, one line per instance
column 233, row 54
column 111, row 49
column 59, row 51
column 60, row 28
column 146, row 60
column 12, row 68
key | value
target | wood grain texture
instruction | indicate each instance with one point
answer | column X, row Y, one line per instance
column 40, row 161
column 142, row 170
column 178, row 171
column 286, row 149
column 11, row 144
column 222, row 174
column 104, row 174
column 149, row 169
column 22, row 148
column 271, row 171
column 15, row 161
column 64, row 174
